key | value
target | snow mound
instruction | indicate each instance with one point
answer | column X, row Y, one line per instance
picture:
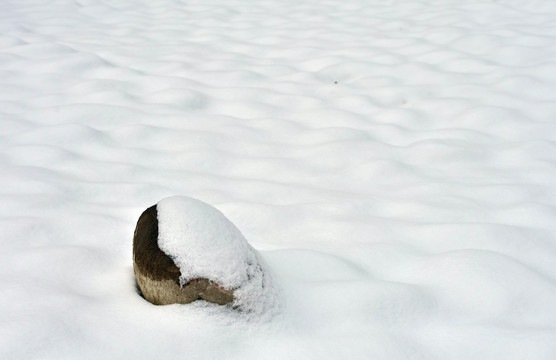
column 203, row 243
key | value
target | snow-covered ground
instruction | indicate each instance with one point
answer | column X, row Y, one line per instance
column 394, row 161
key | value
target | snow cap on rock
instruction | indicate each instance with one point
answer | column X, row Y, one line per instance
column 203, row 243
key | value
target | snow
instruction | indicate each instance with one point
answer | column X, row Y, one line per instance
column 392, row 162
column 204, row 244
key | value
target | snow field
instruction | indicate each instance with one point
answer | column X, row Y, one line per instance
column 393, row 161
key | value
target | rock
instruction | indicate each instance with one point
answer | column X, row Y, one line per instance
column 186, row 250
column 157, row 275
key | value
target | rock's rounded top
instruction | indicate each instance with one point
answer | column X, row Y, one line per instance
column 203, row 243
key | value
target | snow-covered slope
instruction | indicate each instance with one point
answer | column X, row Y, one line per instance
column 393, row 161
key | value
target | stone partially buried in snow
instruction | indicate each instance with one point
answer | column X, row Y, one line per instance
column 186, row 250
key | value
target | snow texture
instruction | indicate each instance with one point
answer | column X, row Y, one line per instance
column 203, row 243
column 392, row 161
